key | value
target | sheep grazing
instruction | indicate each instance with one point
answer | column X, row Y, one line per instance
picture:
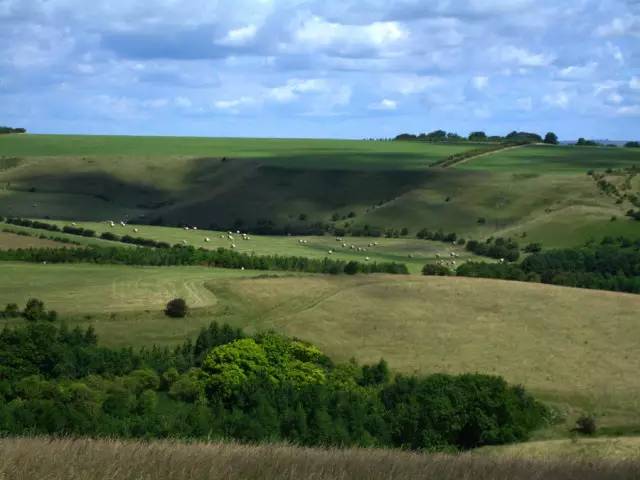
column 207, row 239
column 344, row 245
column 241, row 268
column 437, row 255
column 502, row 260
column 330, row 252
column 238, row 232
column 221, row 236
column 135, row 230
column 233, row 245
column 184, row 242
column 123, row 224
column 338, row 239
column 195, row 228
column 230, row 237
column 366, row 259
column 375, row 243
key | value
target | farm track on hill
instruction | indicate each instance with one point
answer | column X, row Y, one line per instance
column 480, row 155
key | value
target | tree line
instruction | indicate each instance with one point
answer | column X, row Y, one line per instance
column 514, row 137
column 613, row 264
column 228, row 385
column 188, row 255
column 5, row 130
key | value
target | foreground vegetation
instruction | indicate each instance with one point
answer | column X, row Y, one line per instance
column 70, row 459
column 226, row 384
column 551, row 339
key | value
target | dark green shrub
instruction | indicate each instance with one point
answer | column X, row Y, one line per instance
column 176, row 308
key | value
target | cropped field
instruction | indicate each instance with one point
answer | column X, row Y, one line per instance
column 575, row 348
column 384, row 184
column 11, row 240
column 69, row 459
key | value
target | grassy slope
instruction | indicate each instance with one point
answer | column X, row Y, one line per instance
column 69, row 459
column 387, row 250
column 387, row 184
column 575, row 347
column 11, row 240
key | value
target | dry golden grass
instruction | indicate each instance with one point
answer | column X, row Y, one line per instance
column 570, row 345
column 41, row 458
column 11, row 240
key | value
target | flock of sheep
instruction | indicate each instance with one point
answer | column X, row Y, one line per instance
column 232, row 236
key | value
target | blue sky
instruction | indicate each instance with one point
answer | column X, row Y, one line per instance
column 326, row 68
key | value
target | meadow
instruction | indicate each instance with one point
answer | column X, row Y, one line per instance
column 300, row 183
column 410, row 251
column 69, row 459
column 572, row 347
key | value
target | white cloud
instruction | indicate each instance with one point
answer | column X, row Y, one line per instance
column 615, row 52
column 183, row 102
column 233, row 105
column 578, row 71
column 156, row 103
column 634, row 83
column 291, row 90
column 525, row 104
column 615, row 98
column 384, row 104
column 520, row 56
column 629, row 110
column 629, row 25
column 411, row 84
column 558, row 99
column 480, row 82
column 317, row 33
column 239, row 36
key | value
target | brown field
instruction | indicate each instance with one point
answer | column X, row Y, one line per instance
column 41, row 458
column 11, row 240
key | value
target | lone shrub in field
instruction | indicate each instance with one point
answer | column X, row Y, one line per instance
column 586, row 424
column 176, row 308
column 435, row 269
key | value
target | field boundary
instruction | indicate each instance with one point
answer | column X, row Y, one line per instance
column 455, row 160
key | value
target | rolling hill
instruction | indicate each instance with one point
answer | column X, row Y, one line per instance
column 246, row 183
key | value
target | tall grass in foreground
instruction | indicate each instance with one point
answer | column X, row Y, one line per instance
column 69, row 459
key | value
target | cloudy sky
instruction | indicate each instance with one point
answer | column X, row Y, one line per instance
column 325, row 68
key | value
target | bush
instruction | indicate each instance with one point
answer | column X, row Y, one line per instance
column 434, row 269
column 586, row 424
column 176, row 308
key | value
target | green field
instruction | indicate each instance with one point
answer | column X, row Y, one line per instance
column 528, row 190
column 556, row 159
column 575, row 348
column 410, row 251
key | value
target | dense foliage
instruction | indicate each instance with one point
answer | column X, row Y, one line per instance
column 227, row 385
column 188, row 255
column 11, row 130
column 500, row 248
column 614, row 264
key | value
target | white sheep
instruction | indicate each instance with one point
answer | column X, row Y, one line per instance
column 330, row 252
column 123, row 224
column 366, row 259
column 135, row 230
column 195, row 228
column 233, row 245
column 207, row 239
column 184, row 242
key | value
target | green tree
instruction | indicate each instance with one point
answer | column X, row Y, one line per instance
column 176, row 308
column 551, row 138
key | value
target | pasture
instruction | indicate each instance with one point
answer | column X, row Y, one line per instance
column 411, row 251
column 556, row 159
column 228, row 183
column 10, row 240
column 574, row 348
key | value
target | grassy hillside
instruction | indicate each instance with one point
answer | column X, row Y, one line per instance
column 70, row 459
column 11, row 240
column 411, row 251
column 570, row 346
column 301, row 182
